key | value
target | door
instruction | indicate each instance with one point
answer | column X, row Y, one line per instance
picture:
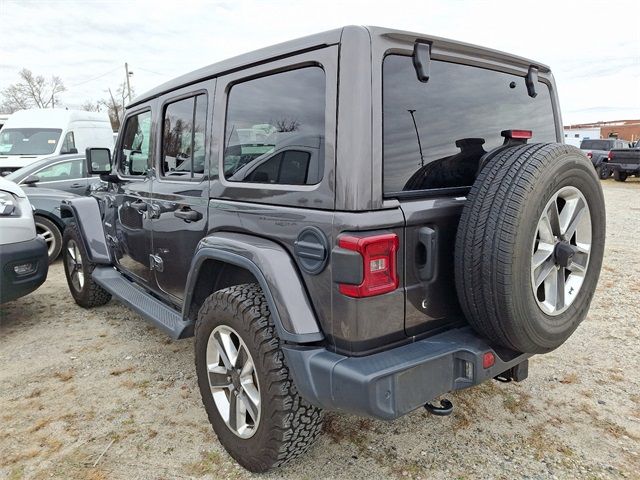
column 181, row 186
column 68, row 175
column 131, row 201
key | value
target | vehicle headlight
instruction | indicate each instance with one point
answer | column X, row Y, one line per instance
column 7, row 203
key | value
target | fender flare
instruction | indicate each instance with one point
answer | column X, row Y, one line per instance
column 276, row 273
column 88, row 218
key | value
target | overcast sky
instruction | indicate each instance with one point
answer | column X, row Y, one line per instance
column 592, row 47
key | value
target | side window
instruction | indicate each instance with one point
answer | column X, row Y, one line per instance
column 133, row 156
column 275, row 129
column 61, row 171
column 183, row 138
column 285, row 168
column 69, row 144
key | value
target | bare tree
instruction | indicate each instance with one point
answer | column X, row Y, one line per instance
column 31, row 91
column 115, row 104
column 91, row 106
column 287, row 125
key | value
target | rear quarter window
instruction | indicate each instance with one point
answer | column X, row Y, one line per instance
column 435, row 133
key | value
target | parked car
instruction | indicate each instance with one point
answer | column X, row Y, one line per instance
column 62, row 172
column 49, row 223
column 625, row 163
column 23, row 254
column 597, row 150
column 367, row 269
column 31, row 135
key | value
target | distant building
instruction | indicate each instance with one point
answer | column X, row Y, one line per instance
column 623, row 129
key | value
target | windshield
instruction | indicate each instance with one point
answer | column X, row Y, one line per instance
column 29, row 141
column 596, row 144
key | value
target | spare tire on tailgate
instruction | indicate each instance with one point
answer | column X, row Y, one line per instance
column 529, row 246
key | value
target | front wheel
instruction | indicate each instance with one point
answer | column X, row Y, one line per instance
column 247, row 391
column 78, row 268
column 51, row 234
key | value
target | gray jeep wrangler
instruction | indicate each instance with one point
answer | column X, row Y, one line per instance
column 359, row 221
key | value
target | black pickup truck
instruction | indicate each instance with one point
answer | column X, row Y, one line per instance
column 624, row 162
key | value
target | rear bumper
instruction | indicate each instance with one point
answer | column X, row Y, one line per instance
column 14, row 286
column 625, row 167
column 390, row 384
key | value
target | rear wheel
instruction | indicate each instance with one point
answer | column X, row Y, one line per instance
column 619, row 176
column 247, row 391
column 603, row 171
column 78, row 269
column 51, row 234
column 529, row 246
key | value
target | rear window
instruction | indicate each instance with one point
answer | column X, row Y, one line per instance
column 597, row 144
column 435, row 133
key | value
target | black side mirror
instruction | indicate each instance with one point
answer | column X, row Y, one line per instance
column 31, row 180
column 98, row 161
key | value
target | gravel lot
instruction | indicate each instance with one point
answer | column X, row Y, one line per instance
column 100, row 394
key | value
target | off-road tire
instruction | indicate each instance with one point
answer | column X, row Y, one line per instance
column 603, row 171
column 43, row 224
column 91, row 294
column 493, row 252
column 289, row 425
column 619, row 176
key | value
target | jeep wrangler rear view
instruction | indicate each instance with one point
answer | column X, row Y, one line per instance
column 360, row 220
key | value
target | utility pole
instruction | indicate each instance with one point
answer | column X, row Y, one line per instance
column 126, row 74
column 415, row 125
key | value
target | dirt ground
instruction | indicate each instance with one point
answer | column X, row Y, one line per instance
column 100, row 394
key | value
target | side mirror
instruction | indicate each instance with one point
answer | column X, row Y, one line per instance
column 31, row 180
column 98, row 161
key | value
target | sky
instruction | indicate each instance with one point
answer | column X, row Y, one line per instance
column 592, row 47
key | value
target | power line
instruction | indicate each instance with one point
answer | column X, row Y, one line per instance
column 94, row 78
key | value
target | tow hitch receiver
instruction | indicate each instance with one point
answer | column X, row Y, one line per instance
column 445, row 408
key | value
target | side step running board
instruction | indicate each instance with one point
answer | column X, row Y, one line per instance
column 152, row 309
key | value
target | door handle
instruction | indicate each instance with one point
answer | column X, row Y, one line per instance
column 77, row 185
column 139, row 206
column 428, row 238
column 187, row 214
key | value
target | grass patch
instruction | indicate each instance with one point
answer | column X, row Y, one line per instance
column 119, row 371
column 64, row 376
column 208, row 464
column 340, row 429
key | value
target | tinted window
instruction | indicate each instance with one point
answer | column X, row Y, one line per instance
column 61, row 171
column 596, row 145
column 435, row 133
column 29, row 141
column 68, row 144
column 275, row 128
column 183, row 138
column 136, row 143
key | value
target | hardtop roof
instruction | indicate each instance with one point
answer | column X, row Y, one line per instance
column 319, row 40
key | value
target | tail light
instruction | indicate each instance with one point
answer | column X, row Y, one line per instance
column 378, row 254
column 589, row 155
column 517, row 134
column 610, row 156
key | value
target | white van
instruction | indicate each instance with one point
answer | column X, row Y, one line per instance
column 31, row 135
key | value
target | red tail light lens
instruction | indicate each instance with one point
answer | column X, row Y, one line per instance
column 610, row 156
column 378, row 254
column 589, row 154
column 488, row 360
column 521, row 134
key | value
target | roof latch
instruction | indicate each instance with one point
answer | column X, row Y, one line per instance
column 531, row 79
column 422, row 60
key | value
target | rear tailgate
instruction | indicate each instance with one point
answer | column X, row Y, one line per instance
column 434, row 136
